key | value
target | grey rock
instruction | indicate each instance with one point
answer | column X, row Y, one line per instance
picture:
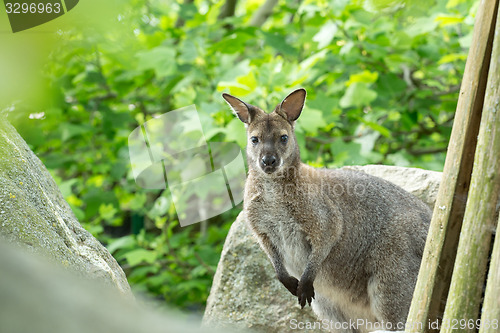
column 39, row 296
column 423, row 184
column 246, row 293
column 34, row 214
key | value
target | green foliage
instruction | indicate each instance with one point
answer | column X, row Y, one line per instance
column 382, row 80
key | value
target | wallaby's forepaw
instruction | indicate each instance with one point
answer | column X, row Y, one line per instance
column 305, row 293
column 291, row 284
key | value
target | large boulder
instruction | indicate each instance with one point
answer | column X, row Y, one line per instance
column 245, row 292
column 39, row 296
column 34, row 214
column 423, row 184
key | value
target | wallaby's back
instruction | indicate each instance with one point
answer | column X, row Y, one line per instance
column 378, row 255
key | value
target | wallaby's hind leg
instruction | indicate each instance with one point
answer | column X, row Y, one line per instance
column 390, row 298
column 338, row 323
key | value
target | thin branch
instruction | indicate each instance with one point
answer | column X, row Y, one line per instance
column 204, row 264
column 296, row 5
column 322, row 141
column 109, row 95
column 263, row 13
column 452, row 90
column 180, row 21
column 227, row 9
column 426, row 151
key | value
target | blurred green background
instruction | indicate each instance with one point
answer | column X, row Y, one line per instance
column 382, row 78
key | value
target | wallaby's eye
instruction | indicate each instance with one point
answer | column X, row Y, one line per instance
column 284, row 138
column 254, row 140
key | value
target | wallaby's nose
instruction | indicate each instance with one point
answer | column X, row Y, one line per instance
column 268, row 160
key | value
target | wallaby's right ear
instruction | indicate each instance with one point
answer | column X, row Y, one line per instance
column 293, row 103
column 241, row 109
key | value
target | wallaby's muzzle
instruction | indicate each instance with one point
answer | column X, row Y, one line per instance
column 269, row 163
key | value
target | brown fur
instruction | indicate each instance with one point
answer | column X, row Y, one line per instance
column 347, row 243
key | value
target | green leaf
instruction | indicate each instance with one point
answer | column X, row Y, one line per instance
column 399, row 159
column 65, row 187
column 234, row 42
column 367, row 142
column 188, row 51
column 347, row 153
column 160, row 207
column 379, row 128
column 422, row 25
column 161, row 59
column 311, row 120
column 445, row 20
column 138, row 256
column 325, row 34
column 452, row 57
column 235, row 131
column 362, row 16
column 385, row 6
column 95, row 197
column 107, row 211
column 141, row 273
column 121, row 243
column 138, row 201
column 364, row 77
column 71, row 130
column 391, row 85
column 466, row 40
column 278, row 42
column 454, row 3
column 357, row 95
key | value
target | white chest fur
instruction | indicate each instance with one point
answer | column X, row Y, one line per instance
column 284, row 231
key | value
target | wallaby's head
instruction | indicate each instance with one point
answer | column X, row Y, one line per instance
column 271, row 140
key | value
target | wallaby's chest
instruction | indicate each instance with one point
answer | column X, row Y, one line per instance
column 270, row 212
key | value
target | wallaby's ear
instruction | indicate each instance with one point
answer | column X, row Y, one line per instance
column 292, row 105
column 241, row 109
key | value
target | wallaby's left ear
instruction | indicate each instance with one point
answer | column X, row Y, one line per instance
column 292, row 104
column 245, row 112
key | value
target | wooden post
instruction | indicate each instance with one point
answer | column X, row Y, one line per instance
column 440, row 249
column 479, row 223
column 490, row 318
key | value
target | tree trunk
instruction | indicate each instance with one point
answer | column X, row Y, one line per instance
column 440, row 249
column 491, row 306
column 480, row 215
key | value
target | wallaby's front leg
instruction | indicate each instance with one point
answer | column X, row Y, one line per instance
column 276, row 258
column 321, row 245
column 305, row 289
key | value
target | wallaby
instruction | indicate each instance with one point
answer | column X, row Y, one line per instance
column 347, row 243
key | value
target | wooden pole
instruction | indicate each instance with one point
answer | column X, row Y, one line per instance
column 440, row 249
column 468, row 278
column 490, row 318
